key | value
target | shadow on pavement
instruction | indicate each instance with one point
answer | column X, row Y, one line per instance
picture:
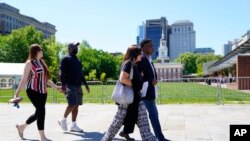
column 87, row 136
column 29, row 139
column 90, row 136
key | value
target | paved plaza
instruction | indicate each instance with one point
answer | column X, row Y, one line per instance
column 179, row 122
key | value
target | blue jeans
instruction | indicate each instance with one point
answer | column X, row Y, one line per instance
column 153, row 116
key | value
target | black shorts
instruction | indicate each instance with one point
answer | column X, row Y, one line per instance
column 74, row 95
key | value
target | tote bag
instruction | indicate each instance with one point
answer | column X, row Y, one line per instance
column 123, row 94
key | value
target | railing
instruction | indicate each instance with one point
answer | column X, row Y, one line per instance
column 181, row 90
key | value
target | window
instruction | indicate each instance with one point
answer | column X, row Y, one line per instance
column 3, row 83
column 11, row 83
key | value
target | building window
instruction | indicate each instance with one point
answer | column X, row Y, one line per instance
column 11, row 83
column 3, row 83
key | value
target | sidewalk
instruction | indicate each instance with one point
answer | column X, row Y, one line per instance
column 179, row 122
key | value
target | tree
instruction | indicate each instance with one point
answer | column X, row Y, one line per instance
column 52, row 50
column 102, row 62
column 16, row 46
column 189, row 61
column 201, row 59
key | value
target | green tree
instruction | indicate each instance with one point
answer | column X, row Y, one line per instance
column 189, row 61
column 201, row 59
column 99, row 60
column 17, row 44
column 52, row 50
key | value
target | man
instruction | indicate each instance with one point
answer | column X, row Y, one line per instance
column 72, row 78
column 147, row 68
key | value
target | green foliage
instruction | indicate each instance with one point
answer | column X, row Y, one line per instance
column 52, row 50
column 102, row 62
column 189, row 61
column 92, row 75
column 193, row 62
column 16, row 46
column 97, row 63
column 103, row 76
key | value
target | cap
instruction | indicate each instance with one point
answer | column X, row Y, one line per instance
column 73, row 44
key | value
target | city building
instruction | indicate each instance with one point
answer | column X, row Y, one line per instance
column 152, row 30
column 11, row 18
column 227, row 47
column 206, row 50
column 236, row 63
column 169, row 70
column 163, row 50
column 141, row 33
column 11, row 74
column 181, row 38
column 164, row 69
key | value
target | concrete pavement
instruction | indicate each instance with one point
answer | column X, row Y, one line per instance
column 179, row 122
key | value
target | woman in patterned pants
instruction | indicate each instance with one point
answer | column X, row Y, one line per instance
column 139, row 116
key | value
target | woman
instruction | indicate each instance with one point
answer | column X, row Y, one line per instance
column 135, row 112
column 36, row 76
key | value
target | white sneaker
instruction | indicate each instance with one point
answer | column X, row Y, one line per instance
column 75, row 128
column 63, row 124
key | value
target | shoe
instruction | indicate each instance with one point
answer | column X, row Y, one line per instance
column 19, row 132
column 63, row 124
column 126, row 136
column 75, row 128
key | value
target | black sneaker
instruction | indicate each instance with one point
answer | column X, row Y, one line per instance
column 126, row 136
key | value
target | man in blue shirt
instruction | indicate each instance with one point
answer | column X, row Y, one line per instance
column 72, row 78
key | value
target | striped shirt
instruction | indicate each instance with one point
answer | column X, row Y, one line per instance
column 37, row 79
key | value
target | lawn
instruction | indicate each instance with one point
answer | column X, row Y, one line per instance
column 171, row 92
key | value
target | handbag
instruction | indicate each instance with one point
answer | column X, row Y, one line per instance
column 123, row 94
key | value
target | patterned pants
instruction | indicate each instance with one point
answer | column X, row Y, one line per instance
column 142, row 124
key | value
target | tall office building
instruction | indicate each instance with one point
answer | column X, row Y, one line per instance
column 11, row 18
column 152, row 29
column 227, row 47
column 140, row 33
column 181, row 38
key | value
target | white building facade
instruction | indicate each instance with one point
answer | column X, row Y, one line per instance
column 10, row 74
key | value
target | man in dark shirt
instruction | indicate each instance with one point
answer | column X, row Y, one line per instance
column 147, row 68
column 72, row 78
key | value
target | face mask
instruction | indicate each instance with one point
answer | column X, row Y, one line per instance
column 74, row 51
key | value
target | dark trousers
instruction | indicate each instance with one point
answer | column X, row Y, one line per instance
column 153, row 116
column 38, row 100
column 131, row 118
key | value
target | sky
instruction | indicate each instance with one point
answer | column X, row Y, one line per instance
column 111, row 25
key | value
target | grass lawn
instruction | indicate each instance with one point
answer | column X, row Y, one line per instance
column 170, row 92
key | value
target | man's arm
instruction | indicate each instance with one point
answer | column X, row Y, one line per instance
column 143, row 67
column 62, row 73
column 84, row 82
